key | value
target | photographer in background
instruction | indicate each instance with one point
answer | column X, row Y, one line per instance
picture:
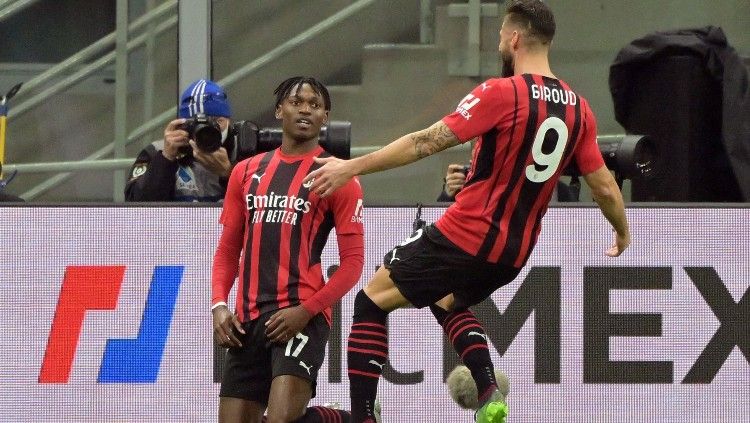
column 179, row 169
column 454, row 180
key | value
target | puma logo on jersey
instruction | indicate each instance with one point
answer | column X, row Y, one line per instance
column 309, row 183
column 377, row 364
column 306, row 367
column 256, row 176
column 477, row 334
column 415, row 236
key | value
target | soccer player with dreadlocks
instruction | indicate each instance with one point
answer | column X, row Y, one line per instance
column 275, row 229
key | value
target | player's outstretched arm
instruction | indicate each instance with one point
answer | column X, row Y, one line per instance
column 407, row 149
column 607, row 195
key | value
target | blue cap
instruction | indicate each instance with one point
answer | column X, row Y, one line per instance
column 204, row 96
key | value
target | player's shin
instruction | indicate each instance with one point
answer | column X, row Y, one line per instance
column 470, row 342
column 367, row 353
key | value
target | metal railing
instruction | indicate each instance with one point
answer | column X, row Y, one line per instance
column 9, row 8
column 168, row 114
column 118, row 164
column 88, row 53
column 113, row 164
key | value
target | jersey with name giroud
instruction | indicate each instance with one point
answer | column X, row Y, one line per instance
column 528, row 129
column 285, row 229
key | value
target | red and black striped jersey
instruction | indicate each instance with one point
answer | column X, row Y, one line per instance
column 528, row 129
column 281, row 227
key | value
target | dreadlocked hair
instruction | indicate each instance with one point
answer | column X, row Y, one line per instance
column 286, row 87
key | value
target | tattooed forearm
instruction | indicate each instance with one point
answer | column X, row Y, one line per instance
column 436, row 138
column 406, row 149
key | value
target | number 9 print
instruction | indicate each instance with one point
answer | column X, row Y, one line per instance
column 550, row 161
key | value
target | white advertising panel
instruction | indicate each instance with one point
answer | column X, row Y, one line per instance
column 105, row 317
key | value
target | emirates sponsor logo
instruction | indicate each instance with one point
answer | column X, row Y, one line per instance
column 274, row 201
column 273, row 208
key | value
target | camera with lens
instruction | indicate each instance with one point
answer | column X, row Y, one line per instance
column 335, row 138
column 205, row 130
column 628, row 157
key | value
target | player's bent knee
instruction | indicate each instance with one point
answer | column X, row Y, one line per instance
column 381, row 281
column 236, row 410
column 291, row 411
column 365, row 307
column 446, row 303
column 288, row 398
column 364, row 304
column 384, row 293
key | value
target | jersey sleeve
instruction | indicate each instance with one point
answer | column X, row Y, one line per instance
column 478, row 112
column 227, row 256
column 351, row 261
column 234, row 203
column 587, row 155
column 346, row 205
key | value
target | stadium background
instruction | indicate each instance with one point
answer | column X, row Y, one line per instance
column 387, row 76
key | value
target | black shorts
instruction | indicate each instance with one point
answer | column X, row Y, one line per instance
column 427, row 266
column 248, row 371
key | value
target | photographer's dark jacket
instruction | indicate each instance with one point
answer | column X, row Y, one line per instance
column 721, row 62
column 155, row 178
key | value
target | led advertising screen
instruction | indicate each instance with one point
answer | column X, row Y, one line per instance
column 106, row 317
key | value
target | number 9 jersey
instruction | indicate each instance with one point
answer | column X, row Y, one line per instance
column 528, row 129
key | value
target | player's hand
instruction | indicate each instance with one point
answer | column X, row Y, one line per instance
column 226, row 326
column 331, row 176
column 217, row 162
column 455, row 179
column 287, row 323
column 174, row 139
column 621, row 243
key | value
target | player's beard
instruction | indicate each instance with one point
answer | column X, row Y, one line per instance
column 506, row 61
